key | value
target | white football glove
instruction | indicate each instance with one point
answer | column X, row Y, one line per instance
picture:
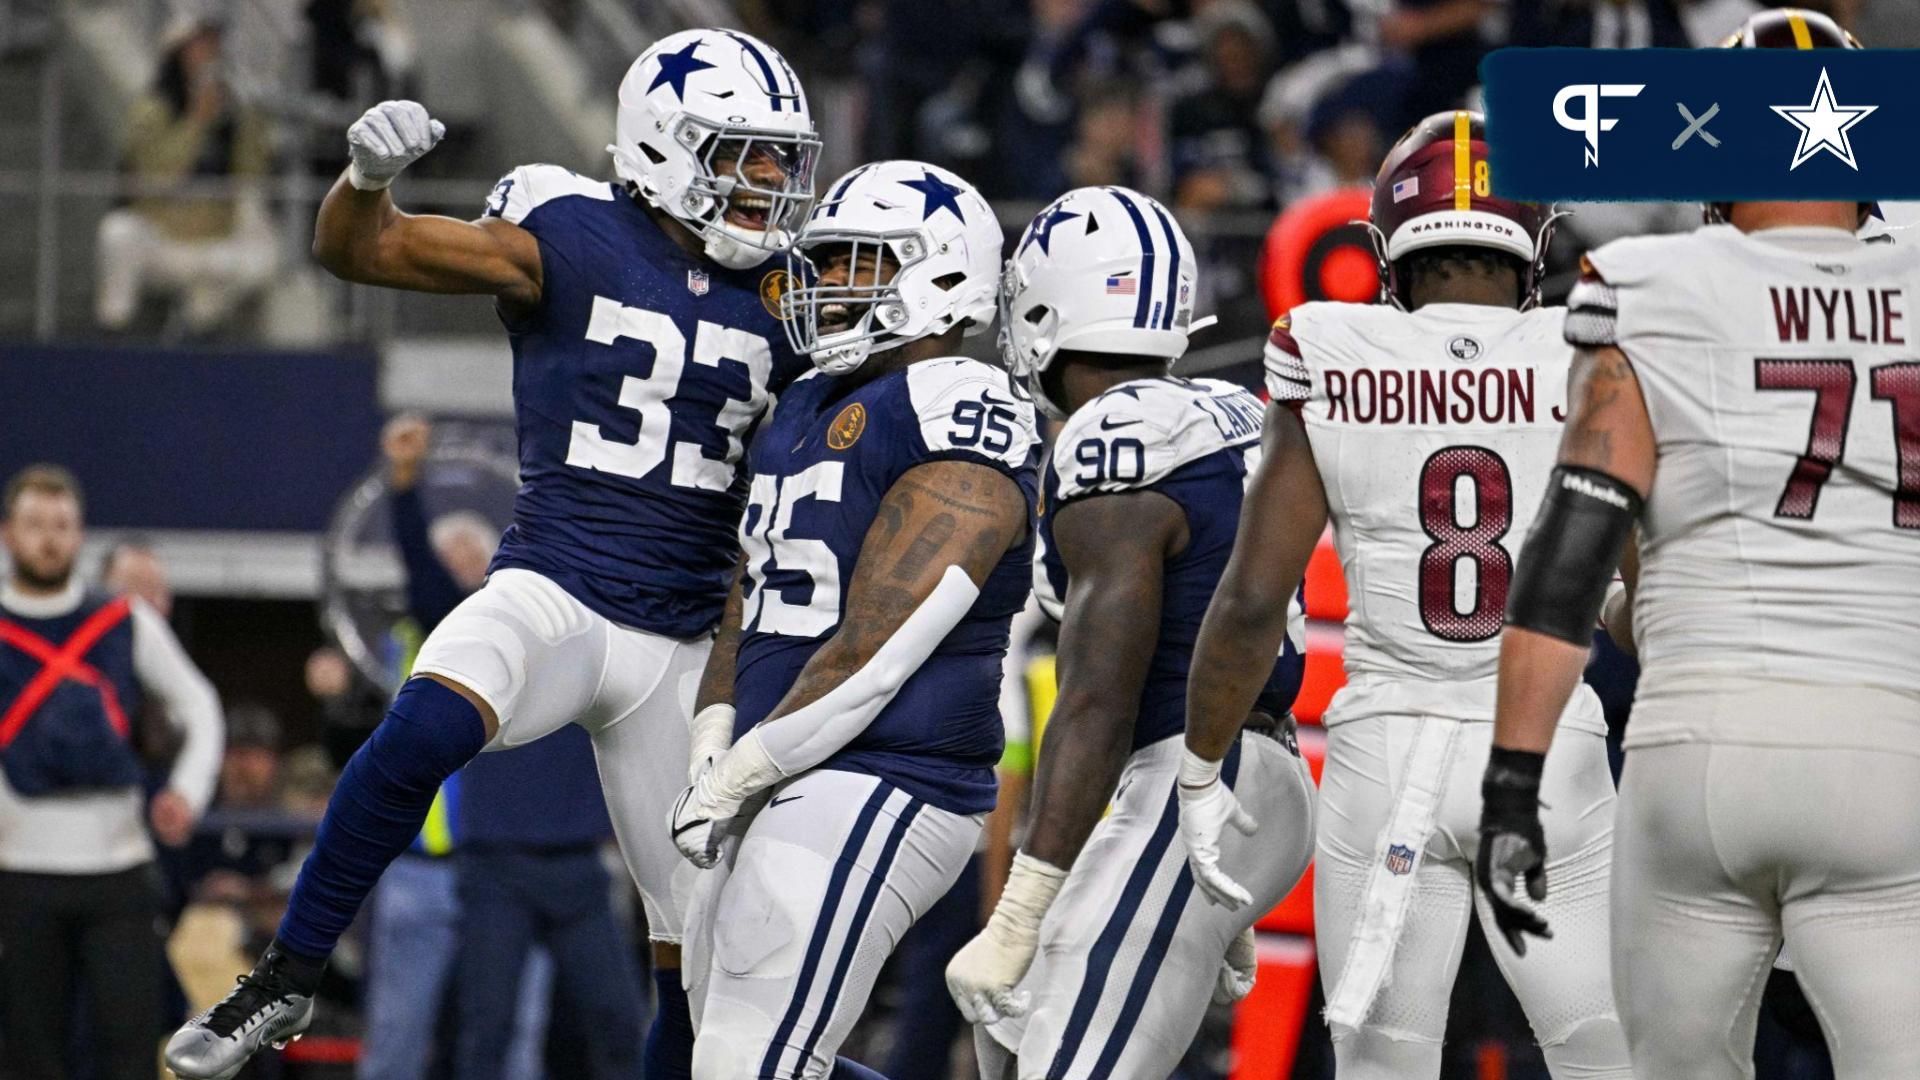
column 386, row 139
column 984, row 974
column 711, row 732
column 720, row 786
column 1207, row 807
column 699, row 820
column 1237, row 970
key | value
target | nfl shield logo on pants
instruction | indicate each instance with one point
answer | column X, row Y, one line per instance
column 697, row 282
column 1399, row 858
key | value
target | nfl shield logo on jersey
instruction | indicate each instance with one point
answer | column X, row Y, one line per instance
column 697, row 282
column 1399, row 858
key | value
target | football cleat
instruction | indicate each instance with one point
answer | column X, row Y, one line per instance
column 264, row 1009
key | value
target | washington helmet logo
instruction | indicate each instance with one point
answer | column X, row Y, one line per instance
column 1399, row 858
column 1463, row 348
column 772, row 288
column 847, row 427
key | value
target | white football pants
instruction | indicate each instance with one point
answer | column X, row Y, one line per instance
column 542, row 660
column 787, row 934
column 1129, row 953
column 1562, row 984
column 1724, row 849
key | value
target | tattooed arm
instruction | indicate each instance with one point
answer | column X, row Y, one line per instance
column 1608, row 431
column 940, row 514
column 716, row 680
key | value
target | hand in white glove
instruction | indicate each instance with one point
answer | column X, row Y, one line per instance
column 386, row 139
column 1206, row 809
column 700, row 817
column 1237, row 970
column 983, row 975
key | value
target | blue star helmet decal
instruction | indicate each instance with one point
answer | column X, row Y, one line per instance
column 675, row 67
column 1042, row 231
column 940, row 195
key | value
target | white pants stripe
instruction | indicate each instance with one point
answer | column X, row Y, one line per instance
column 1128, row 955
column 787, row 935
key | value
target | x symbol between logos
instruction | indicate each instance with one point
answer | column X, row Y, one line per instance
column 1696, row 126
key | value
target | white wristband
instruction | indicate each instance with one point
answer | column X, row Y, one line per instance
column 1196, row 772
column 711, row 733
column 1031, row 886
column 362, row 182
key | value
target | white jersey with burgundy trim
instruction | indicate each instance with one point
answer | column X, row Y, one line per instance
column 1434, row 432
column 1782, row 536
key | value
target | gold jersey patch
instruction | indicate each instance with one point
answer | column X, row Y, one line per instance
column 772, row 288
column 847, row 427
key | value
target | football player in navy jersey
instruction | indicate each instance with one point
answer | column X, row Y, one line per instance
column 888, row 538
column 1100, row 959
column 643, row 319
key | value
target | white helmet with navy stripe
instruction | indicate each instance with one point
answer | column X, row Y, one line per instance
column 933, row 225
column 702, row 96
column 1104, row 270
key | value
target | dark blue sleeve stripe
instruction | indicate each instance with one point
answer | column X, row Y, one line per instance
column 857, row 928
column 1146, row 257
column 1173, row 270
column 823, row 929
column 774, row 90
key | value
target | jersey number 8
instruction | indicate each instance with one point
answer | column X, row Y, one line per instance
column 1453, row 540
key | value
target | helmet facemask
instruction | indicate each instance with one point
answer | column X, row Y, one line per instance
column 839, row 323
column 1029, row 350
column 731, row 202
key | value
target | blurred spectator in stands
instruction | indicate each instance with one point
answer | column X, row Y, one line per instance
column 362, row 51
column 1105, row 149
column 1445, row 39
column 250, row 770
column 1317, row 113
column 307, row 778
column 133, row 568
column 78, row 900
column 1219, row 152
column 1598, row 24
column 214, row 250
column 349, row 706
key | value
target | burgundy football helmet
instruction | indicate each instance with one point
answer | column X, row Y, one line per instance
column 1785, row 28
column 1434, row 190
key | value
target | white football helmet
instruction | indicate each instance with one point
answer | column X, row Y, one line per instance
column 1104, row 270
column 694, row 94
column 933, row 224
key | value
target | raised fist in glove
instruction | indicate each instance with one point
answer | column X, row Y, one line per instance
column 1207, row 809
column 1513, row 846
column 386, row 139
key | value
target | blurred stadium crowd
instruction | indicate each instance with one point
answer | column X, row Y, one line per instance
column 163, row 162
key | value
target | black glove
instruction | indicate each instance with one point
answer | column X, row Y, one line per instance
column 1512, row 845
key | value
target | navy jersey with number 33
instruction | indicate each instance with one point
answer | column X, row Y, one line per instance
column 821, row 467
column 636, row 382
